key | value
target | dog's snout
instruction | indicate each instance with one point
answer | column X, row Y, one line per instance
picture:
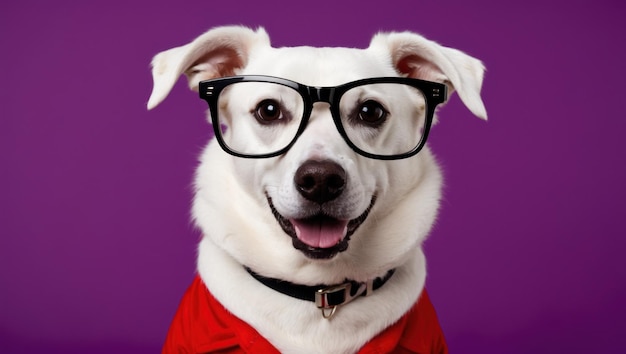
column 320, row 181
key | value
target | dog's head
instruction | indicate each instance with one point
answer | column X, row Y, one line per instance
column 339, row 188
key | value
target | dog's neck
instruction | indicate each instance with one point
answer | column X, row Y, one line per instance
column 326, row 297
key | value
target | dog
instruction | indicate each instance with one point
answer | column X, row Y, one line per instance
column 317, row 192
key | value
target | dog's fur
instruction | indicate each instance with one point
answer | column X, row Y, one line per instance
column 231, row 201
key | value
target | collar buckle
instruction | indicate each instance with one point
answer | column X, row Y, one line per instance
column 328, row 299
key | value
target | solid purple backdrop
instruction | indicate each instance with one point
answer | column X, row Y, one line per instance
column 96, row 247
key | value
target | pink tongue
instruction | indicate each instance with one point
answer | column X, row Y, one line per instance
column 320, row 232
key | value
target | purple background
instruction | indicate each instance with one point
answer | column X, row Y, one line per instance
column 96, row 246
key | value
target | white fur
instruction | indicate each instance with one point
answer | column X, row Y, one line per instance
column 231, row 209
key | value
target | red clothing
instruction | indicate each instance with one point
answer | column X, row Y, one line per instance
column 203, row 325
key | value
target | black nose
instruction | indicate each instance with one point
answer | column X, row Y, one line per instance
column 320, row 181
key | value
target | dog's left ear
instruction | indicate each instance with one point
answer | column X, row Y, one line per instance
column 417, row 57
column 219, row 52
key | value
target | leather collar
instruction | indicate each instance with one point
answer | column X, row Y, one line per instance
column 326, row 297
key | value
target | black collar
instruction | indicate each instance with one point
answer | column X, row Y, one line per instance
column 326, row 297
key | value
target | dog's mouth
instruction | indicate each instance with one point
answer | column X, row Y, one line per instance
column 320, row 236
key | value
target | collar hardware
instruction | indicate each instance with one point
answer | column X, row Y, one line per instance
column 334, row 296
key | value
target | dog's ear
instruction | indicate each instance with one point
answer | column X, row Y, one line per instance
column 417, row 57
column 218, row 52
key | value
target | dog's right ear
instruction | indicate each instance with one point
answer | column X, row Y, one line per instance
column 218, row 52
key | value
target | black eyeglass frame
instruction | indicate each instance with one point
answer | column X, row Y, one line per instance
column 434, row 94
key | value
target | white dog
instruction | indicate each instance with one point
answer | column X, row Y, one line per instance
column 317, row 193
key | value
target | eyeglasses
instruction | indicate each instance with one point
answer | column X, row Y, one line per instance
column 384, row 118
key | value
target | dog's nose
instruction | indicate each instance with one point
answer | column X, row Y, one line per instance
column 320, row 181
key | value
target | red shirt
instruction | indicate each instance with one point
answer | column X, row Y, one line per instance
column 203, row 325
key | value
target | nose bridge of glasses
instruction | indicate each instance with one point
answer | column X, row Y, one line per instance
column 321, row 94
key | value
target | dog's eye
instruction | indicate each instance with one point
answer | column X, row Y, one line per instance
column 268, row 111
column 372, row 113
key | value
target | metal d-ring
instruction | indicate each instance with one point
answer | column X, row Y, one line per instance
column 327, row 315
